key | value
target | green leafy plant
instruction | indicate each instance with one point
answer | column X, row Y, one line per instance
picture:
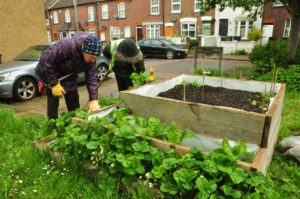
column 141, row 78
column 255, row 34
column 198, row 71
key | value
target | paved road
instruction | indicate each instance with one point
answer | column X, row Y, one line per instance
column 163, row 69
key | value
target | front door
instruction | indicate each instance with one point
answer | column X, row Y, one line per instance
column 139, row 32
column 223, row 27
column 206, row 25
column 169, row 31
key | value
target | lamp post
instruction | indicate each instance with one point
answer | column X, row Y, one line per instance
column 75, row 14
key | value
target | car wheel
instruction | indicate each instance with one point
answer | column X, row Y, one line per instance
column 102, row 71
column 25, row 89
column 170, row 54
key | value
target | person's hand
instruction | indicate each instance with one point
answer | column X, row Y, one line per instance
column 58, row 90
column 93, row 106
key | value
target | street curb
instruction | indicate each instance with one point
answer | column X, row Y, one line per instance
column 236, row 58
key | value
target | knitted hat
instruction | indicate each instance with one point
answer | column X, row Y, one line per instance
column 92, row 46
column 128, row 48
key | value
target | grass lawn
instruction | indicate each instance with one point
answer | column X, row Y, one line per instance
column 24, row 173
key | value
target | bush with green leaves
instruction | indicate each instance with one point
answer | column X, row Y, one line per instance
column 290, row 76
column 273, row 52
column 255, row 34
column 193, row 43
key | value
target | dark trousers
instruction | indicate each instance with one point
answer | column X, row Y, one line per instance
column 123, row 83
column 71, row 99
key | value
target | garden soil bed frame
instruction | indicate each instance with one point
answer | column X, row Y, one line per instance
column 213, row 121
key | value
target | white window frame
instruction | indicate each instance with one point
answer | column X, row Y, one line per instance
column 63, row 34
column 121, row 11
column 104, row 11
column 152, row 31
column 238, row 30
column 190, row 28
column 55, row 17
column 196, row 2
column 49, row 36
column 91, row 16
column 154, row 7
column 127, row 31
column 177, row 3
column 287, row 28
column 115, row 31
column 67, row 16
column 277, row 3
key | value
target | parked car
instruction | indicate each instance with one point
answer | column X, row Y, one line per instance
column 18, row 78
column 161, row 48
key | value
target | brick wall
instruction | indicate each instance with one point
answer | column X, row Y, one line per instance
column 22, row 24
column 277, row 15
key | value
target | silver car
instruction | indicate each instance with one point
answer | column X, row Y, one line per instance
column 18, row 79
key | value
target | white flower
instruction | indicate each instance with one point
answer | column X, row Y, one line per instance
column 23, row 193
column 48, row 172
column 150, row 185
column 112, row 165
column 17, row 177
column 140, row 177
column 148, row 175
column 20, row 181
column 34, row 190
column 62, row 173
column 92, row 158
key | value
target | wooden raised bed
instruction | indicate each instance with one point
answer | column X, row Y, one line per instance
column 213, row 121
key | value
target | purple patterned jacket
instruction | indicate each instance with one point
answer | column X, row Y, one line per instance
column 65, row 57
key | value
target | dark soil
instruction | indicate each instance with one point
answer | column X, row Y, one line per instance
column 219, row 97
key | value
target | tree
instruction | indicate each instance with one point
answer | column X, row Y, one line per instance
column 255, row 7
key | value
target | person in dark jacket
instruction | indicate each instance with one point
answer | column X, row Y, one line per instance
column 58, row 68
column 126, row 58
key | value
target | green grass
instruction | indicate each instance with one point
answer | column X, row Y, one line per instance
column 25, row 173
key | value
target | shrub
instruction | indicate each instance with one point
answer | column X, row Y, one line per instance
column 290, row 76
column 193, row 43
column 273, row 52
column 198, row 71
column 255, row 34
column 240, row 52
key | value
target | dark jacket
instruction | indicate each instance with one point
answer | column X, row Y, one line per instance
column 65, row 57
column 122, row 67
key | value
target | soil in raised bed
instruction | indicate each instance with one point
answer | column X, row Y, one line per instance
column 218, row 96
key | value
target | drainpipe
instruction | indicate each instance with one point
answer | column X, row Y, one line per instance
column 97, row 21
column 163, row 16
column 51, row 25
column 0, row 59
column 75, row 14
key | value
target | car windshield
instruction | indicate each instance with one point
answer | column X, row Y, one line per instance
column 31, row 54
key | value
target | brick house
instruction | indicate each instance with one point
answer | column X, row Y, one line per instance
column 276, row 20
column 138, row 19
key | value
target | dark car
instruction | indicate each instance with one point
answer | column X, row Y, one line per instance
column 161, row 48
column 18, row 79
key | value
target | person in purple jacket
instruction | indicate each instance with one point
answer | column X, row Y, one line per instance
column 63, row 61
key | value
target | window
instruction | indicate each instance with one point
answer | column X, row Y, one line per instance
column 277, row 3
column 188, row 29
column 63, row 35
column 176, row 6
column 67, row 16
column 104, row 10
column 121, row 10
column 115, row 33
column 55, row 17
column 154, row 7
column 91, row 14
column 153, row 31
column 243, row 28
column 287, row 28
column 127, row 31
column 197, row 6
column 156, row 43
